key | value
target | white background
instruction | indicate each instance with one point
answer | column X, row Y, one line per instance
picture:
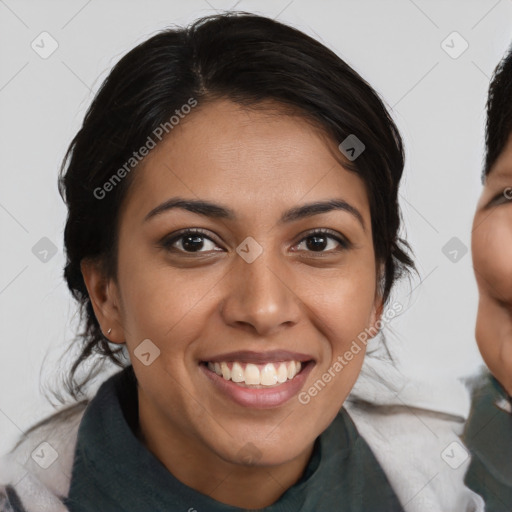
column 437, row 101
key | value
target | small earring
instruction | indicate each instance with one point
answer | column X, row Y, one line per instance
column 109, row 331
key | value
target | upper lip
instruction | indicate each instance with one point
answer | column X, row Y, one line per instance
column 249, row 356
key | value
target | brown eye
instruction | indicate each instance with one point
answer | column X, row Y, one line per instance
column 324, row 241
column 189, row 241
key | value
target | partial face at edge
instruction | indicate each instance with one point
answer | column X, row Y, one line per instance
column 492, row 261
column 197, row 299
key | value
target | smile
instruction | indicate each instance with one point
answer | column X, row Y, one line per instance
column 258, row 380
column 263, row 375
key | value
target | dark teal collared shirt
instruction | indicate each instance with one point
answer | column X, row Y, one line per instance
column 488, row 435
column 114, row 472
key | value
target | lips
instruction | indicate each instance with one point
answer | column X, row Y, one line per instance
column 258, row 379
column 248, row 356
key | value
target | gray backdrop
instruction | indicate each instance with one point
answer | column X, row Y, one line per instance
column 430, row 60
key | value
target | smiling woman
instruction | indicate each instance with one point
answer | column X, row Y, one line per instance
column 235, row 265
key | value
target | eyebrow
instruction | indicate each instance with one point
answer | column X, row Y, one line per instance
column 218, row 211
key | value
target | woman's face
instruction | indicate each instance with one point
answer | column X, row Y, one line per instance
column 492, row 261
column 251, row 296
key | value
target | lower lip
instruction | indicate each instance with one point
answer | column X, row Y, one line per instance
column 260, row 398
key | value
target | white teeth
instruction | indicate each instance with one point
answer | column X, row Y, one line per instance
column 282, row 373
column 269, row 375
column 254, row 375
column 226, row 372
column 237, row 373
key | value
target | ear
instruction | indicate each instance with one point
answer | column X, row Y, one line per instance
column 378, row 304
column 104, row 296
column 377, row 310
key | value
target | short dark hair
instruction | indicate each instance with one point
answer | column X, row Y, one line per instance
column 248, row 59
column 499, row 112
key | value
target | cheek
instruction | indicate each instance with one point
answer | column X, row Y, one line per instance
column 341, row 305
column 346, row 307
column 165, row 304
column 492, row 254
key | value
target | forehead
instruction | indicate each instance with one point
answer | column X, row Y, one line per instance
column 247, row 157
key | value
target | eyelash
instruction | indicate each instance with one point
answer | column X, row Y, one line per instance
column 168, row 242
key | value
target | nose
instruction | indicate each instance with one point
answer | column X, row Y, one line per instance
column 260, row 296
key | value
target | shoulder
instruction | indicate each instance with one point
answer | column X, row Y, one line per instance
column 413, row 428
column 488, row 435
column 490, row 414
column 38, row 468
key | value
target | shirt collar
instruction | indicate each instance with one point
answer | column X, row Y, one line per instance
column 503, row 400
